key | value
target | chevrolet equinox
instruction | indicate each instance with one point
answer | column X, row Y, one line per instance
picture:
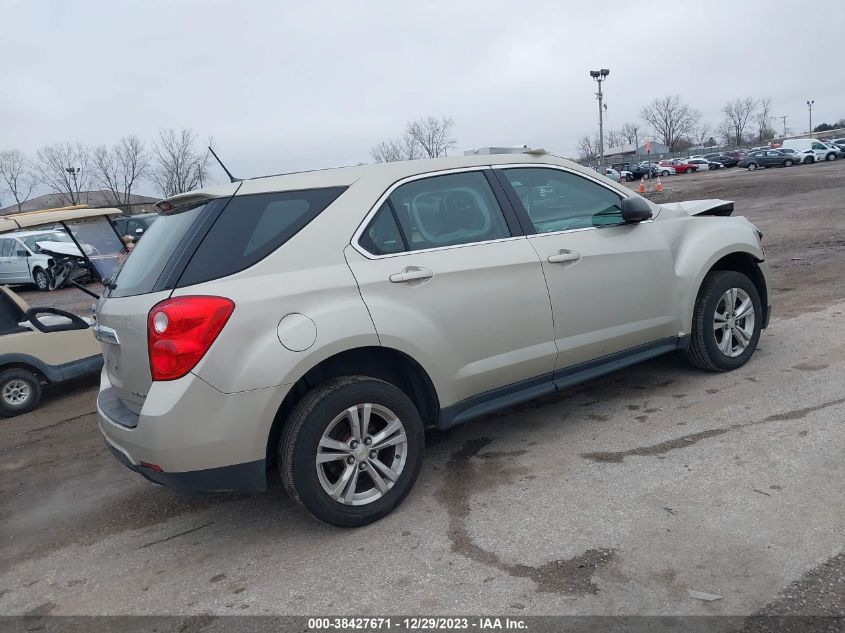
column 315, row 323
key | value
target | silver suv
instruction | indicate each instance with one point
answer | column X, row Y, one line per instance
column 316, row 323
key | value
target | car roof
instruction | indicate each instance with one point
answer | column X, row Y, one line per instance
column 47, row 217
column 387, row 172
column 23, row 234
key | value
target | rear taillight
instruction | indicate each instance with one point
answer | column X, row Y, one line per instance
column 181, row 330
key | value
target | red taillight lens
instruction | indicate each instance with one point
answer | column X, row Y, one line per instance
column 181, row 330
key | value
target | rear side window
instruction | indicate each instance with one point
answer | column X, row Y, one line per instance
column 250, row 228
column 382, row 236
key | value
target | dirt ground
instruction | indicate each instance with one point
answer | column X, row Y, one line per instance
column 616, row 497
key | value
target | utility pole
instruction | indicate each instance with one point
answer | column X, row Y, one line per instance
column 74, row 172
column 810, row 106
column 784, row 124
column 600, row 76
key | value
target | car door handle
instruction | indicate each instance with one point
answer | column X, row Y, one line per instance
column 564, row 256
column 411, row 273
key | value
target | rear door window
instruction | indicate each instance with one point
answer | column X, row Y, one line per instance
column 250, row 228
column 448, row 210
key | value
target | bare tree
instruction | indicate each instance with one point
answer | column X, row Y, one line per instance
column 177, row 166
column 433, row 135
column 763, row 118
column 631, row 132
column 670, row 119
column 701, row 134
column 403, row 148
column 615, row 139
column 119, row 168
column 63, row 167
column 725, row 132
column 16, row 175
column 588, row 148
column 425, row 138
column 738, row 113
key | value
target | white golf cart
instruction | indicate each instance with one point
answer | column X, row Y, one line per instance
column 41, row 346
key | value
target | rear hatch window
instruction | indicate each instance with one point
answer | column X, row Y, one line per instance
column 142, row 269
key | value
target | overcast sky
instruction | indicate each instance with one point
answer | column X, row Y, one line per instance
column 284, row 86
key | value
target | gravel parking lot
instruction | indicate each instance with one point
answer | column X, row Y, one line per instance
column 616, row 497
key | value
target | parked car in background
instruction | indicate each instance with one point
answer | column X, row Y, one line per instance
column 812, row 149
column 702, row 164
column 134, row 225
column 23, row 260
column 837, row 149
column 839, row 142
column 320, row 342
column 679, row 165
column 638, row 171
column 666, row 170
column 798, row 157
column 767, row 158
column 737, row 153
column 722, row 159
column 617, row 175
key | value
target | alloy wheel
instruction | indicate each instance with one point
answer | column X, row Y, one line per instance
column 361, row 454
column 733, row 322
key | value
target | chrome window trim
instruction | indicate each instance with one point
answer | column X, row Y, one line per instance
column 356, row 237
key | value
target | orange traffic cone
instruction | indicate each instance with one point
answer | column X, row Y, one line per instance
column 659, row 187
column 642, row 185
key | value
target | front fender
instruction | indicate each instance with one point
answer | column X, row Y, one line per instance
column 698, row 250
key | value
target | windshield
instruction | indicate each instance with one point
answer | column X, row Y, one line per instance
column 142, row 268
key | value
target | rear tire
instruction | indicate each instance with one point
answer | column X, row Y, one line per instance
column 721, row 340
column 830, row 156
column 321, row 429
column 20, row 392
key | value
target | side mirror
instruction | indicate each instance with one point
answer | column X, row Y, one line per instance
column 138, row 231
column 635, row 209
column 21, row 253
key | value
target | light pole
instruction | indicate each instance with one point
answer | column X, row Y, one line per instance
column 810, row 106
column 784, row 124
column 74, row 172
column 600, row 76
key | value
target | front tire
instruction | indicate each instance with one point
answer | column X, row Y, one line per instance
column 809, row 159
column 41, row 279
column 664, row 173
column 20, row 392
column 787, row 163
column 752, row 166
column 726, row 322
column 352, row 450
column 830, row 156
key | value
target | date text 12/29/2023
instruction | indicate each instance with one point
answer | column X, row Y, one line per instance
column 416, row 624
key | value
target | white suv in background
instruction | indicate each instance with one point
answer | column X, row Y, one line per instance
column 22, row 260
column 314, row 324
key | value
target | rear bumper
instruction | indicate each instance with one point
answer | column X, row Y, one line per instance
column 248, row 477
column 196, row 438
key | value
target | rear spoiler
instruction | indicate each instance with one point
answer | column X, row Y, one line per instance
column 702, row 207
column 196, row 197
